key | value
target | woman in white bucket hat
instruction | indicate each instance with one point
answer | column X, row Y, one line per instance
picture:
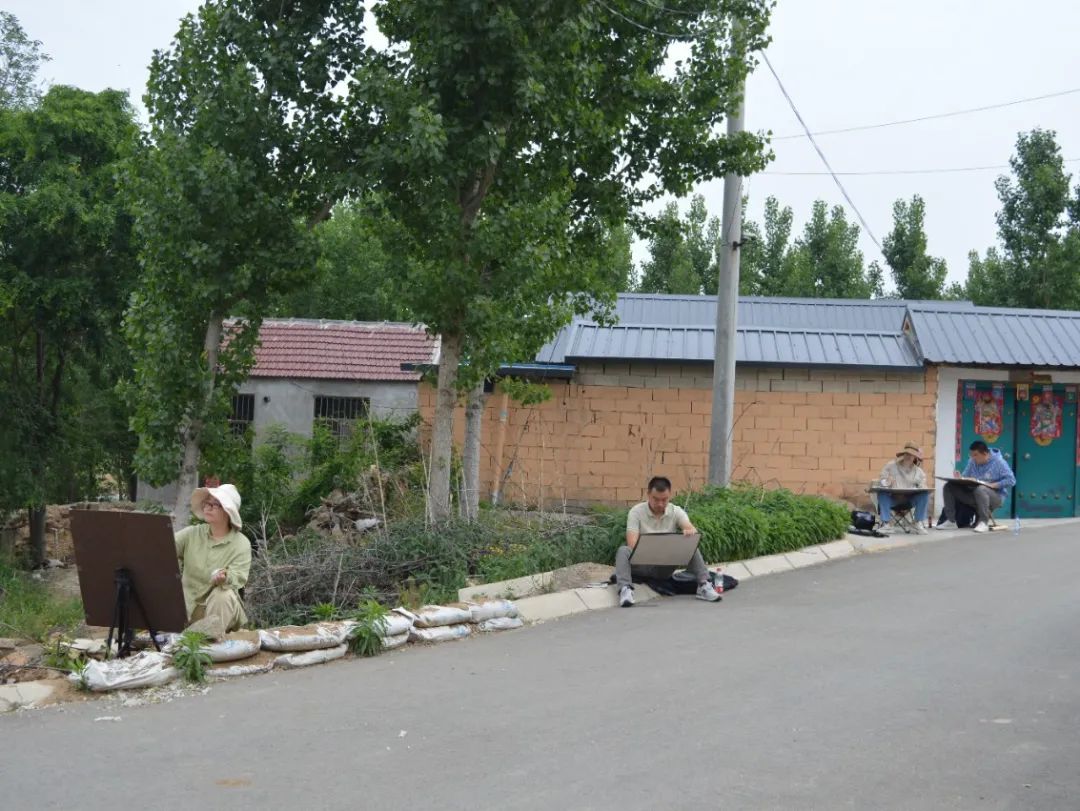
column 215, row 557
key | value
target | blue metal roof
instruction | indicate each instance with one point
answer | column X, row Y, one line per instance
column 997, row 336
column 754, row 345
column 882, row 333
column 756, row 311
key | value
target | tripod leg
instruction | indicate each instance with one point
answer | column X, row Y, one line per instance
column 116, row 620
column 149, row 627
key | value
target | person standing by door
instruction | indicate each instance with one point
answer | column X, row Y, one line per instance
column 995, row 478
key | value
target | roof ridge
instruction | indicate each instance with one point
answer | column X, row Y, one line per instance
column 334, row 322
column 750, row 327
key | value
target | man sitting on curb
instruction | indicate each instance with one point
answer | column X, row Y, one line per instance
column 996, row 477
column 658, row 515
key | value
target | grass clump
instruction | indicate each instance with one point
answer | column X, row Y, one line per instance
column 28, row 609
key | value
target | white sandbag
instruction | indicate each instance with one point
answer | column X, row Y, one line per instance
column 231, row 650
column 440, row 633
column 391, row 642
column 235, row 671
column 501, row 624
column 339, row 630
column 432, row 616
column 491, row 610
column 314, row 657
column 146, row 669
column 396, row 623
column 299, row 638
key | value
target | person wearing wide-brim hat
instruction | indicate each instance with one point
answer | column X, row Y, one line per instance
column 903, row 473
column 215, row 558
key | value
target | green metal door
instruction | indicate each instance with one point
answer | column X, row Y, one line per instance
column 1045, row 451
column 986, row 412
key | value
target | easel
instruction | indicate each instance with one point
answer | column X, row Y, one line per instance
column 125, row 633
column 128, row 574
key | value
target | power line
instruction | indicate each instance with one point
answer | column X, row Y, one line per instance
column 821, row 154
column 636, row 24
column 916, row 120
column 666, row 10
column 950, row 170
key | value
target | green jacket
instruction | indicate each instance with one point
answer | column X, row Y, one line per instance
column 200, row 555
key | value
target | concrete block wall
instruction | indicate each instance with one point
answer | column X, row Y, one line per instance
column 601, row 436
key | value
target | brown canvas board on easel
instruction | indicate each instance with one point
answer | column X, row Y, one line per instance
column 141, row 544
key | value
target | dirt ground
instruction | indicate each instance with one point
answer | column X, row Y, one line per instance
column 579, row 575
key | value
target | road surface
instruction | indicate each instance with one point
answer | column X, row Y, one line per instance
column 945, row 675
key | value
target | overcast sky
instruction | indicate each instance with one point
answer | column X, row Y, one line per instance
column 845, row 63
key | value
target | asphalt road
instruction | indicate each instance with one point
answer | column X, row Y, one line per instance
column 941, row 676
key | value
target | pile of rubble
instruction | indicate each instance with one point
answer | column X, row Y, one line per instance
column 58, row 543
column 23, row 660
column 343, row 514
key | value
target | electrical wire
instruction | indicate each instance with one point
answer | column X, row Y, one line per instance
column 636, row 24
column 933, row 117
column 666, row 10
column 824, row 160
column 944, row 171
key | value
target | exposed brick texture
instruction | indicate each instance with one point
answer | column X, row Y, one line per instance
column 824, row 432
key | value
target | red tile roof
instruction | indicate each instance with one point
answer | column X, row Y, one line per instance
column 341, row 350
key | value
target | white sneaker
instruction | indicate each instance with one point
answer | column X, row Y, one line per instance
column 885, row 529
column 920, row 529
column 980, row 527
column 946, row 525
column 626, row 597
column 707, row 591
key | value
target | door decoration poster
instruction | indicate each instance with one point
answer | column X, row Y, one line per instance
column 989, row 406
column 1046, row 410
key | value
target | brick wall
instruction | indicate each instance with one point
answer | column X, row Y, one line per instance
column 601, row 436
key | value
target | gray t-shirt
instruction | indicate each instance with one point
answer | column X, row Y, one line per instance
column 641, row 520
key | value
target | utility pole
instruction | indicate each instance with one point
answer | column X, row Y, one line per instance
column 727, row 307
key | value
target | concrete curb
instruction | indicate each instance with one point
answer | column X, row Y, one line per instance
column 545, row 607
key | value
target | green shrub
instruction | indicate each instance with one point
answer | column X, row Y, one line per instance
column 743, row 521
column 189, row 657
column 366, row 637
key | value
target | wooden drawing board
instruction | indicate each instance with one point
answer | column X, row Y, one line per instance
column 143, row 544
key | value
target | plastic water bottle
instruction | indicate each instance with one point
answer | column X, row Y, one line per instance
column 1016, row 526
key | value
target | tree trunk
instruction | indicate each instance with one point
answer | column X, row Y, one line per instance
column 188, row 479
column 442, row 434
column 37, row 536
column 470, row 456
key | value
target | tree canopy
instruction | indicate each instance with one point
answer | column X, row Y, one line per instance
column 1039, row 233
column 66, row 270
column 20, row 60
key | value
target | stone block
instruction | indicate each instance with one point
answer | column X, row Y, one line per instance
column 25, row 694
column 809, row 556
column 767, row 564
column 550, row 606
column 838, row 549
column 737, row 570
column 513, row 589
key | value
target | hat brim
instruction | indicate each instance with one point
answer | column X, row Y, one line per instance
column 201, row 494
column 918, row 456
